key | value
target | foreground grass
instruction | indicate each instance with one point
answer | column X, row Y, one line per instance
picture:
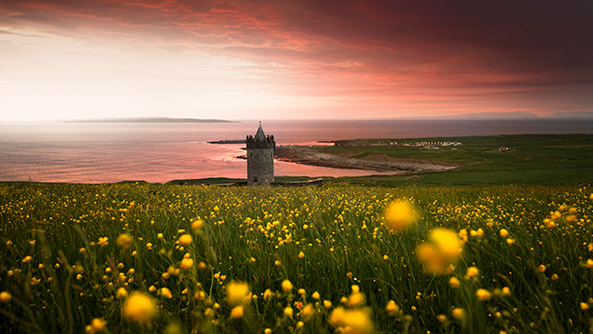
column 61, row 272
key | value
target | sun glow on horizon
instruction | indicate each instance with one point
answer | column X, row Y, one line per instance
column 280, row 60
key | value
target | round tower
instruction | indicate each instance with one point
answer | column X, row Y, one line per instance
column 260, row 158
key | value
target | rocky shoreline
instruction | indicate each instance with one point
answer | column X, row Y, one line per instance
column 380, row 163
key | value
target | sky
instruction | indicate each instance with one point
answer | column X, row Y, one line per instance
column 288, row 59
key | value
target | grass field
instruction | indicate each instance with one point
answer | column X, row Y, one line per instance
column 118, row 258
column 531, row 160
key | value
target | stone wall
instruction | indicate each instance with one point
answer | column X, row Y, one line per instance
column 260, row 166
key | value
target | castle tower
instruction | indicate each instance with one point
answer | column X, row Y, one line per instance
column 260, row 158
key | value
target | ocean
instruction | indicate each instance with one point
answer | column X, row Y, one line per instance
column 160, row 152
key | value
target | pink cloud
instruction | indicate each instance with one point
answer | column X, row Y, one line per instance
column 385, row 53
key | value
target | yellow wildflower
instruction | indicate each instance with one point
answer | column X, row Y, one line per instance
column 124, row 240
column 286, row 286
column 351, row 321
column 166, row 293
column 336, row 318
column 506, row 291
column 186, row 263
column 392, row 308
column 483, row 294
column 185, row 239
column 400, row 215
column 288, row 311
column 140, row 307
column 454, row 282
column 443, row 250
column 356, row 299
column 447, row 242
column 237, row 312
column 268, row 294
column 472, row 272
column 103, row 241
column 5, row 297
column 236, row 293
column 197, row 225
column 458, row 313
column 98, row 325
column 121, row 293
column 308, row 312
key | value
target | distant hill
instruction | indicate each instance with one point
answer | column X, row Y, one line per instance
column 496, row 115
column 573, row 114
column 149, row 120
column 510, row 115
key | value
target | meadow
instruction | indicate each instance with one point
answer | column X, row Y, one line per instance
column 543, row 159
column 143, row 258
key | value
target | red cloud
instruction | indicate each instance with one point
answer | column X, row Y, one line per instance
column 490, row 55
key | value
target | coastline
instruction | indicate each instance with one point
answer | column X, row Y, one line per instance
column 379, row 163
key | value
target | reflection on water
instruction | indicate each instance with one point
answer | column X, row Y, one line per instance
column 102, row 152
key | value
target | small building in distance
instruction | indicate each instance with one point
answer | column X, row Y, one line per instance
column 260, row 158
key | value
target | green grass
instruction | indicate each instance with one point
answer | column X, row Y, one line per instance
column 532, row 160
column 229, row 181
column 338, row 228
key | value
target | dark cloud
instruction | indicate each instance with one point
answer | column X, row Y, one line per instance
column 532, row 34
column 504, row 47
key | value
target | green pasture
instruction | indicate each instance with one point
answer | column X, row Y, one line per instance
column 531, row 160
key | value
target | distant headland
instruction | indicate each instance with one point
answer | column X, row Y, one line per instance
column 149, row 120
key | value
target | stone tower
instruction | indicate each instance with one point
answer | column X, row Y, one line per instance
column 260, row 158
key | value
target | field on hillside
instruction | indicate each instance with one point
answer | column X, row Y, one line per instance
column 141, row 258
column 549, row 160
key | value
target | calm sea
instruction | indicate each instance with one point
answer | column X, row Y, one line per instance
column 113, row 152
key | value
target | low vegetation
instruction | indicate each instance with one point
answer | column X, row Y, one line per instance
column 142, row 258
column 486, row 160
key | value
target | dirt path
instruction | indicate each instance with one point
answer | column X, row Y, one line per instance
column 381, row 163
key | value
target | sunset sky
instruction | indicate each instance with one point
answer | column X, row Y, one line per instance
column 285, row 59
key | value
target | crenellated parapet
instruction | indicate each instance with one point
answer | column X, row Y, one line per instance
column 265, row 142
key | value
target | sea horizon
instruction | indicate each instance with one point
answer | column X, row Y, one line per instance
column 160, row 152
